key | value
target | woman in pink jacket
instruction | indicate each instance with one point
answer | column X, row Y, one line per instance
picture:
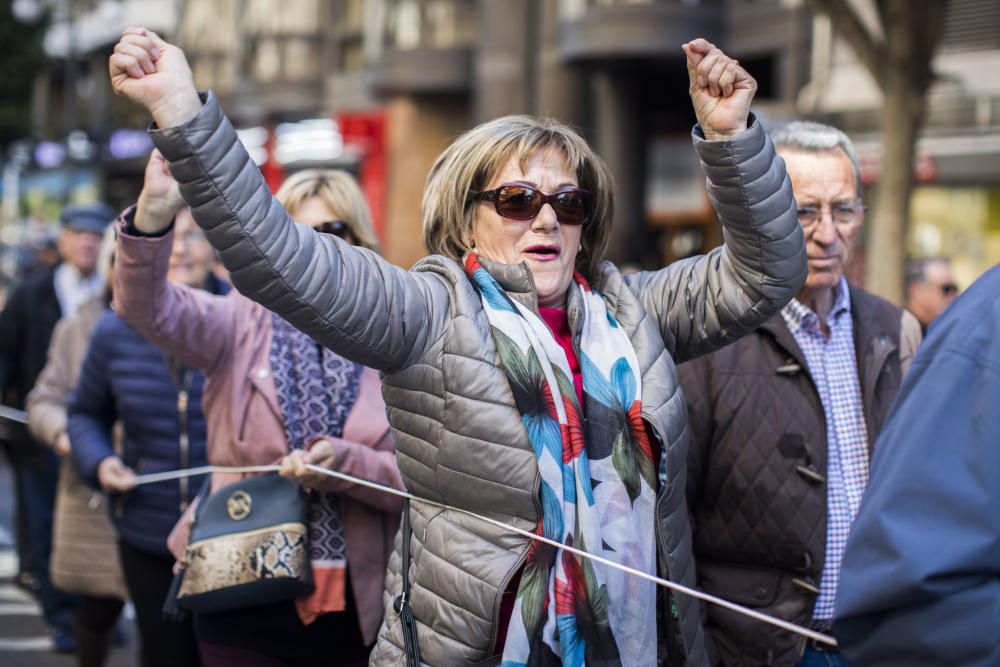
column 273, row 395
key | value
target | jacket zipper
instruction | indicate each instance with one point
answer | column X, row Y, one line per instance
column 498, row 603
column 671, row 624
column 183, row 401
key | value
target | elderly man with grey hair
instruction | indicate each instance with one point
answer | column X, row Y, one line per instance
column 782, row 423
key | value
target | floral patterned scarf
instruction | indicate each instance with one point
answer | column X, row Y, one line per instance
column 597, row 490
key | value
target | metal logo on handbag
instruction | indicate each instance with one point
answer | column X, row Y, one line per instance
column 238, row 506
column 248, row 547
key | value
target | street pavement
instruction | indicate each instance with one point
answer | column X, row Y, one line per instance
column 24, row 638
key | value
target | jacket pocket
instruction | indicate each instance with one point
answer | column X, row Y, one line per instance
column 417, row 542
column 742, row 641
column 745, row 585
column 259, row 420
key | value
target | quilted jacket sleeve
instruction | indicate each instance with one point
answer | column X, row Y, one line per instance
column 12, row 319
column 191, row 325
column 910, row 337
column 705, row 302
column 47, row 401
column 92, row 412
column 347, row 298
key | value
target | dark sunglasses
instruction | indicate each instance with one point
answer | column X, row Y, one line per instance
column 949, row 289
column 523, row 202
column 334, row 227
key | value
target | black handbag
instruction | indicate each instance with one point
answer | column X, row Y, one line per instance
column 249, row 546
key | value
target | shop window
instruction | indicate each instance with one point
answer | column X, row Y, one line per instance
column 678, row 212
column 961, row 223
column 764, row 68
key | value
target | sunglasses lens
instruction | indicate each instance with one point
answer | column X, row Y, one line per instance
column 518, row 202
column 572, row 207
column 336, row 228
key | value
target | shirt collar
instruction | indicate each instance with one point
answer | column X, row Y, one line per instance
column 800, row 317
column 72, row 276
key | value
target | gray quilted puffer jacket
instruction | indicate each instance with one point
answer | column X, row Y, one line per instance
column 459, row 437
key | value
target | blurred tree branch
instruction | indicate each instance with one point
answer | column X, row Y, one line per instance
column 852, row 30
column 901, row 65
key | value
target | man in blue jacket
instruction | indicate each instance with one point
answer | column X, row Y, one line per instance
column 920, row 582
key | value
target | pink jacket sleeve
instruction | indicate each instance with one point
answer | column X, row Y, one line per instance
column 366, row 450
column 194, row 326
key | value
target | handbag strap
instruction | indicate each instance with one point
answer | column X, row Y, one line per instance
column 401, row 605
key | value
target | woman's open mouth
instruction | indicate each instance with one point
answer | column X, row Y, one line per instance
column 542, row 253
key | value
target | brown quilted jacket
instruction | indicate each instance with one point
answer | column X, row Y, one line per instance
column 756, row 472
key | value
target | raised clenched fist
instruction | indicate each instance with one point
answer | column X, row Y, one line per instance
column 160, row 198
column 155, row 74
column 721, row 90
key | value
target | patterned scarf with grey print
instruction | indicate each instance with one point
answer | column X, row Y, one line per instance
column 316, row 391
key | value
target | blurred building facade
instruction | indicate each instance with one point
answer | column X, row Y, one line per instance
column 86, row 144
column 380, row 87
column 955, row 209
column 404, row 77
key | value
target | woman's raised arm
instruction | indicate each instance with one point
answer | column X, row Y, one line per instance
column 705, row 302
column 347, row 298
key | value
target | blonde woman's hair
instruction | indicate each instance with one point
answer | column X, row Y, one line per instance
column 338, row 190
column 468, row 164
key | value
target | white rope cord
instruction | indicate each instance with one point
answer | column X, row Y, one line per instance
column 665, row 583
column 153, row 477
column 13, row 414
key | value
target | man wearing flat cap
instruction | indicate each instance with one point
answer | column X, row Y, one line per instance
column 26, row 324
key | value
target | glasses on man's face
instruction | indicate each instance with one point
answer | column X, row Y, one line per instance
column 948, row 289
column 845, row 215
column 516, row 201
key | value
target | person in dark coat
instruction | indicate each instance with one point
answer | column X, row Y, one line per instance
column 26, row 325
column 920, row 583
column 782, row 422
column 127, row 379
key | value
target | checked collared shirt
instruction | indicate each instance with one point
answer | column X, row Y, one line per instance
column 833, row 367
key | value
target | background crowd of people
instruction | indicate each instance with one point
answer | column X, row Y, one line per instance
column 744, row 422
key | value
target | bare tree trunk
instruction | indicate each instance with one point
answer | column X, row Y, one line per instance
column 912, row 30
column 902, row 116
column 901, row 66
